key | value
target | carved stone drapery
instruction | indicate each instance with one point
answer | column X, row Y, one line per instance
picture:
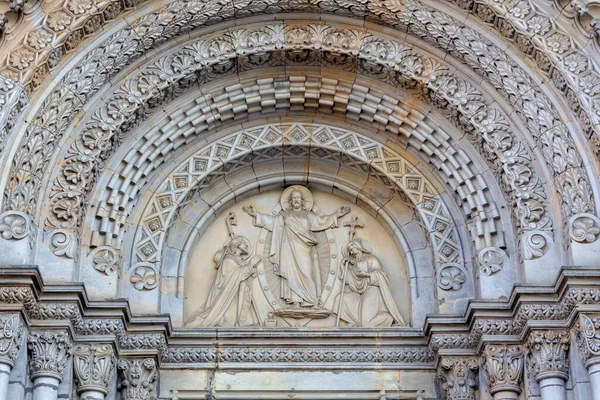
column 93, row 364
column 49, row 353
column 139, row 378
column 459, row 377
column 548, row 354
column 11, row 333
column 504, row 367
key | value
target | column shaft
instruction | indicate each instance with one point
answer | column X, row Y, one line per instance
column 594, row 371
column 506, row 395
column 45, row 388
column 553, row 389
column 4, row 378
column 91, row 395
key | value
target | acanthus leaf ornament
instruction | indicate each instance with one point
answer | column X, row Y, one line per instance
column 504, row 365
column 459, row 377
column 138, row 380
column 49, row 352
column 93, row 365
column 548, row 353
column 534, row 244
column 63, row 242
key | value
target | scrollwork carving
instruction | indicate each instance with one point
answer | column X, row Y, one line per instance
column 138, row 378
column 106, row 260
column 534, row 244
column 491, row 260
column 459, row 377
column 504, row 367
column 584, row 228
column 548, row 354
column 49, row 352
column 63, row 243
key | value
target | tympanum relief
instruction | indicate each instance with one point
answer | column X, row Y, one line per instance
column 296, row 258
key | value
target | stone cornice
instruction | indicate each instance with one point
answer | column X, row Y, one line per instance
column 46, row 307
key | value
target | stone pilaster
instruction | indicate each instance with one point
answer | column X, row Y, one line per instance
column 93, row 365
column 503, row 365
column 49, row 352
column 139, row 377
column 548, row 355
column 459, row 377
column 11, row 334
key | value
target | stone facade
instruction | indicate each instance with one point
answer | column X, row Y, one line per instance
column 367, row 199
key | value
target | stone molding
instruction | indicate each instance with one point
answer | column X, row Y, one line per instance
column 139, row 378
column 459, row 377
column 12, row 328
column 504, row 366
column 49, row 352
column 93, row 365
column 548, row 353
column 442, row 336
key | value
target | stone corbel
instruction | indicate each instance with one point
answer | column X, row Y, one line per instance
column 503, row 365
column 138, row 380
column 459, row 377
column 548, row 355
column 93, row 365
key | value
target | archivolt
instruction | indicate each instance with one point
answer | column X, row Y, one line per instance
column 370, row 54
column 532, row 30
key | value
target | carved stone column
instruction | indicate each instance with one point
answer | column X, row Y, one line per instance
column 49, row 353
column 139, row 377
column 504, row 367
column 588, row 342
column 11, row 333
column 549, row 359
column 93, row 364
column 459, row 377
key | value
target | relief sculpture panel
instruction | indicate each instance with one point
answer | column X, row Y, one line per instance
column 287, row 269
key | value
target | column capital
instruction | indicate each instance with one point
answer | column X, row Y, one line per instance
column 548, row 355
column 139, row 378
column 11, row 334
column 93, row 365
column 587, row 333
column 459, row 377
column 504, row 367
column 49, row 352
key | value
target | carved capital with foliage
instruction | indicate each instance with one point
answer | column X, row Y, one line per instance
column 587, row 333
column 504, row 367
column 49, row 352
column 93, row 364
column 11, row 334
column 548, row 354
column 459, row 377
column 138, row 378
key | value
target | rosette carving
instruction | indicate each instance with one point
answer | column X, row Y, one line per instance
column 11, row 333
column 49, row 352
column 93, row 364
column 504, row 367
column 14, row 225
column 139, row 378
column 459, row 377
column 584, row 228
column 548, row 354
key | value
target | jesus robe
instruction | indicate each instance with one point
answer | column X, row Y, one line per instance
column 293, row 252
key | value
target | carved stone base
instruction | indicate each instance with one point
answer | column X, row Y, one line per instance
column 301, row 313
